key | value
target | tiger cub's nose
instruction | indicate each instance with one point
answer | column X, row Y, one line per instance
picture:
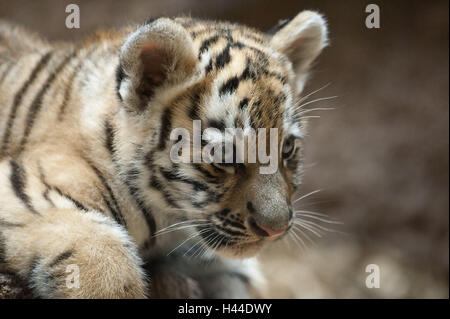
column 264, row 231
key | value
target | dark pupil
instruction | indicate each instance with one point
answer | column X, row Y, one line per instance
column 288, row 148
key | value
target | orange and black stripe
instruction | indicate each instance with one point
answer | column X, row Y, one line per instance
column 18, row 99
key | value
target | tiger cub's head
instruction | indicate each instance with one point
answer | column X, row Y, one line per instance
column 179, row 76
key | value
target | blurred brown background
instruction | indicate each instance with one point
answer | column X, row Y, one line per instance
column 381, row 157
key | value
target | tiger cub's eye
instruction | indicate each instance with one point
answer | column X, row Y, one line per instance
column 288, row 147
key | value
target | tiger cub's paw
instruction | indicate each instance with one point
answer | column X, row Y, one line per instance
column 77, row 256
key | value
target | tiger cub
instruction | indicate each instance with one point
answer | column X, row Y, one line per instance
column 88, row 185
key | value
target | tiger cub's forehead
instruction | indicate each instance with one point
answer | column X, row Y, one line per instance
column 245, row 83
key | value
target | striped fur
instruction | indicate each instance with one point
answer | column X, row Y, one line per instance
column 85, row 174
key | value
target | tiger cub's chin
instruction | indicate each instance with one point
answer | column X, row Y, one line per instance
column 243, row 250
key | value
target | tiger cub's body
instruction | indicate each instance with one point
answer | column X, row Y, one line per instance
column 85, row 177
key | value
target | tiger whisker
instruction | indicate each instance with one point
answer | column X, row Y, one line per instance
column 288, row 240
column 192, row 247
column 211, row 245
column 315, row 225
column 183, row 222
column 298, row 107
column 299, row 114
column 307, row 195
column 315, row 215
column 315, row 203
column 299, row 211
column 178, row 228
column 310, row 228
column 321, row 219
column 303, row 98
column 299, row 241
column 186, row 240
column 204, row 244
column 181, row 225
column 201, row 242
column 294, row 240
column 310, row 117
column 204, row 248
column 213, row 249
column 198, row 252
column 219, row 242
column 297, row 227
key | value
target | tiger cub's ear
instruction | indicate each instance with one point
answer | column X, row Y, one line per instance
column 156, row 55
column 301, row 40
